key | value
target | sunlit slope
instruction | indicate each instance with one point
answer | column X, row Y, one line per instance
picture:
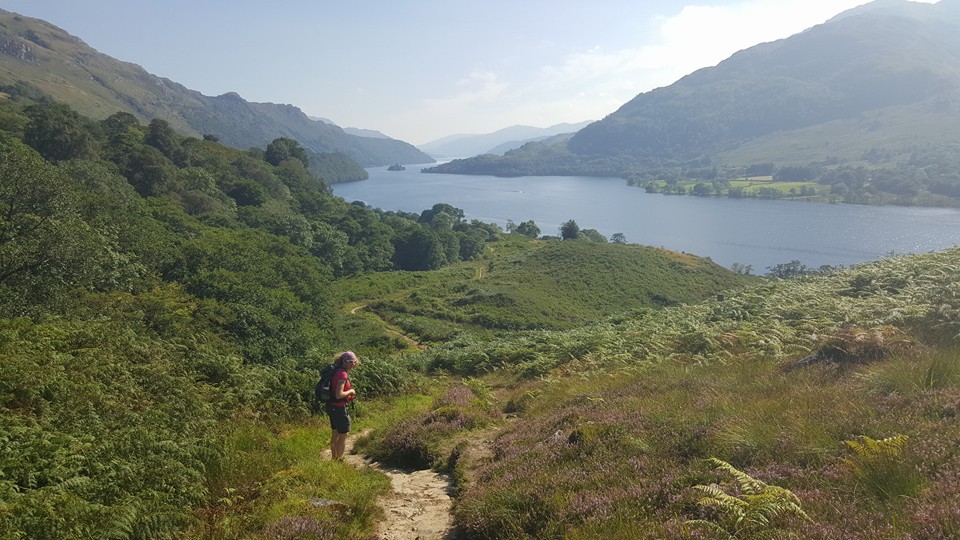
column 842, row 389
column 777, row 320
column 898, row 54
column 550, row 284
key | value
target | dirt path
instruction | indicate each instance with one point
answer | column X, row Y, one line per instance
column 419, row 506
column 386, row 328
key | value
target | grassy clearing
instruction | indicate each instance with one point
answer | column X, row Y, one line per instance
column 755, row 186
column 535, row 284
column 751, row 184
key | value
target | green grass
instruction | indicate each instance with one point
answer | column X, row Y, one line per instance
column 628, row 460
column 615, row 436
column 898, row 130
column 266, row 476
column 754, row 186
column 751, row 184
column 536, row 284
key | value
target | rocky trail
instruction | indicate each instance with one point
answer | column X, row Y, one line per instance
column 418, row 507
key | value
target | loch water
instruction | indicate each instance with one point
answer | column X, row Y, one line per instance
column 760, row 233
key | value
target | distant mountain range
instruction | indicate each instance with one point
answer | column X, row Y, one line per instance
column 96, row 85
column 359, row 132
column 498, row 142
column 875, row 83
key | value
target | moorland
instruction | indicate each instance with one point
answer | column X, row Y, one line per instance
column 168, row 303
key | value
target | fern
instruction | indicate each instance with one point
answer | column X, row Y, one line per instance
column 760, row 511
column 881, row 468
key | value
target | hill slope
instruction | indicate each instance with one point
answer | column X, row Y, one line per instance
column 894, row 54
column 542, row 284
column 472, row 145
column 96, row 85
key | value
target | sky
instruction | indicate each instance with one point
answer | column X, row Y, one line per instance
column 419, row 70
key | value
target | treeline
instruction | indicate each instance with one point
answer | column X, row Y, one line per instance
column 925, row 176
column 154, row 289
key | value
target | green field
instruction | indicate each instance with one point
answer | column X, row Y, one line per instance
column 754, row 186
column 528, row 284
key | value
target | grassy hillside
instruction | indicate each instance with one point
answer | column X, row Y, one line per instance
column 165, row 308
column 888, row 136
column 896, row 55
column 831, row 402
column 527, row 284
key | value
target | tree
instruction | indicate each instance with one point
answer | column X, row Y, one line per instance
column 285, row 148
column 45, row 246
column 58, row 133
column 787, row 270
column 150, row 172
column 569, row 230
column 593, row 235
column 419, row 249
column 760, row 169
column 441, row 221
column 618, row 238
column 247, row 193
column 427, row 216
column 528, row 228
column 701, row 190
column 472, row 243
column 118, row 123
column 161, row 136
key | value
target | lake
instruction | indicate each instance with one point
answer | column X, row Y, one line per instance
column 760, row 233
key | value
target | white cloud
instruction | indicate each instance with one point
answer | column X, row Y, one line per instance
column 699, row 36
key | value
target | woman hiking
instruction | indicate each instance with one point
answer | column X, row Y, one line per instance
column 342, row 394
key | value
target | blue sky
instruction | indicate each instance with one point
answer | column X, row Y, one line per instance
column 419, row 70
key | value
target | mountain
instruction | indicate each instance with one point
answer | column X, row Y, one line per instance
column 875, row 59
column 472, row 145
column 66, row 69
column 371, row 133
column 513, row 145
column 876, row 87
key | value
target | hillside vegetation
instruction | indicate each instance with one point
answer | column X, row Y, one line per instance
column 823, row 407
column 165, row 308
column 166, row 304
column 530, row 284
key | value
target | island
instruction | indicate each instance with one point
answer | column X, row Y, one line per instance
column 396, row 167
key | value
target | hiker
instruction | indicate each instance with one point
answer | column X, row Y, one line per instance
column 341, row 395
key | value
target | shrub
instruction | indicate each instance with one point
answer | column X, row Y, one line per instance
column 417, row 442
column 757, row 511
column 881, row 469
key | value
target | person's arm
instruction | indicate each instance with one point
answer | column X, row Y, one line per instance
column 340, row 394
